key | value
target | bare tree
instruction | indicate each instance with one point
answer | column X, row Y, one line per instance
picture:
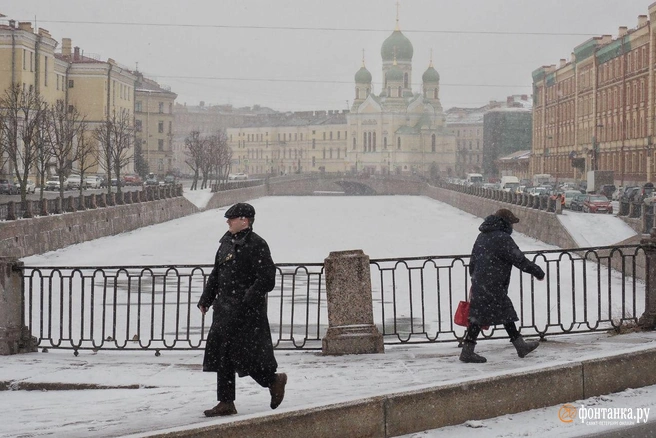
column 115, row 137
column 43, row 155
column 23, row 112
column 86, row 153
column 64, row 127
column 219, row 156
column 194, row 152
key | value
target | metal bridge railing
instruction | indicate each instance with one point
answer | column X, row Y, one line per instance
column 154, row 307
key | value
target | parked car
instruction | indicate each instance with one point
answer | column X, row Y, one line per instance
column 569, row 195
column 169, row 179
column 93, row 182
column 52, row 184
column 237, row 176
column 537, row 191
column 597, row 204
column 151, row 180
column 607, row 190
column 74, row 181
column 132, row 180
column 8, row 188
column 576, row 203
column 30, row 187
column 617, row 194
column 630, row 193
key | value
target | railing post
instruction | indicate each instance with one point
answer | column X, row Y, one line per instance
column 11, row 211
column 14, row 335
column 648, row 318
column 44, row 207
column 351, row 328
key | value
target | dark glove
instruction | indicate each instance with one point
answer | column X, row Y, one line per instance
column 251, row 297
column 538, row 273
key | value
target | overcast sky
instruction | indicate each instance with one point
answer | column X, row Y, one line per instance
column 303, row 54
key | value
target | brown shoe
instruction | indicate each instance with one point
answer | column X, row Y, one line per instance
column 221, row 410
column 277, row 390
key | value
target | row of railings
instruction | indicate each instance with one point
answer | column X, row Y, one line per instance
column 538, row 202
column 44, row 207
column 644, row 211
column 413, row 299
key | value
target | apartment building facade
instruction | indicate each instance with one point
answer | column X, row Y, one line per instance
column 596, row 111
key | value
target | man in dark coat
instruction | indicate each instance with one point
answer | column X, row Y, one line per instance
column 239, row 340
column 493, row 256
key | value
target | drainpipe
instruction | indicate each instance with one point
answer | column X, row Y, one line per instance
column 12, row 24
column 37, row 46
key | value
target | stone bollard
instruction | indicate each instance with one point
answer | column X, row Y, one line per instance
column 58, row 205
column 14, row 335
column 102, row 200
column 11, row 211
column 558, row 206
column 70, row 204
column 28, row 210
column 648, row 319
column 111, row 199
column 351, row 328
column 92, row 201
column 44, row 207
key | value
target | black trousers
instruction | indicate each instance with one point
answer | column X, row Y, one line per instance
column 225, row 380
column 474, row 330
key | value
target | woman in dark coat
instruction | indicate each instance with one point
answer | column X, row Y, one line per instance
column 493, row 256
column 239, row 340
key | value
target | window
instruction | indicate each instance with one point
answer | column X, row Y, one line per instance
column 314, row 161
column 160, row 126
column 45, row 71
column 398, row 143
column 331, row 135
column 384, row 142
column 433, row 145
column 24, row 59
column 71, row 83
column 314, row 143
column 138, row 125
column 161, row 107
column 170, row 127
column 160, row 145
column 324, row 135
column 405, row 80
column 354, row 143
column 137, row 106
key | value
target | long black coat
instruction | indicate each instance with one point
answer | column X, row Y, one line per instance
column 240, row 330
column 493, row 256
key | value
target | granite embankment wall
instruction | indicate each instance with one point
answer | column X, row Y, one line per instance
column 26, row 237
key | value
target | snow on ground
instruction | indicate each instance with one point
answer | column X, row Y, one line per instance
column 199, row 198
column 589, row 229
column 174, row 391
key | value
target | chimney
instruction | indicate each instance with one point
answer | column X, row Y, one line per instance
column 642, row 20
column 622, row 31
column 563, row 63
column 44, row 32
column 25, row 25
column 76, row 54
column 66, row 47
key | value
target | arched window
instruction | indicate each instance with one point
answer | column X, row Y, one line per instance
column 400, row 92
column 433, row 145
column 364, row 141
column 398, row 143
column 384, row 142
column 353, row 143
column 357, row 93
column 374, row 142
column 369, row 138
column 405, row 80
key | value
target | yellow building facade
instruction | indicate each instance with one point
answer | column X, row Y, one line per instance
column 97, row 89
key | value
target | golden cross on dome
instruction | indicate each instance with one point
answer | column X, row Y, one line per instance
column 362, row 57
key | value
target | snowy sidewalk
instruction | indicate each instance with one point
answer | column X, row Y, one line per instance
column 171, row 391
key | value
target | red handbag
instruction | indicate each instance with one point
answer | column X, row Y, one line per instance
column 461, row 316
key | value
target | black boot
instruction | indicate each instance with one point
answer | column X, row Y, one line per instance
column 523, row 348
column 467, row 354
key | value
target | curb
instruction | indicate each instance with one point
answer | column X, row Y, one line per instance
column 446, row 405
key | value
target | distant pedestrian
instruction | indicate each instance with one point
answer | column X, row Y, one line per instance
column 239, row 340
column 493, row 256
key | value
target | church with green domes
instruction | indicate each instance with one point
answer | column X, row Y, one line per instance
column 399, row 130
column 394, row 130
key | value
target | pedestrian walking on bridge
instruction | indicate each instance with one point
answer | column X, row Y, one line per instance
column 239, row 340
column 493, row 256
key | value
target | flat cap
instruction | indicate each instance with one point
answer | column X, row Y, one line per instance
column 240, row 209
column 507, row 215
